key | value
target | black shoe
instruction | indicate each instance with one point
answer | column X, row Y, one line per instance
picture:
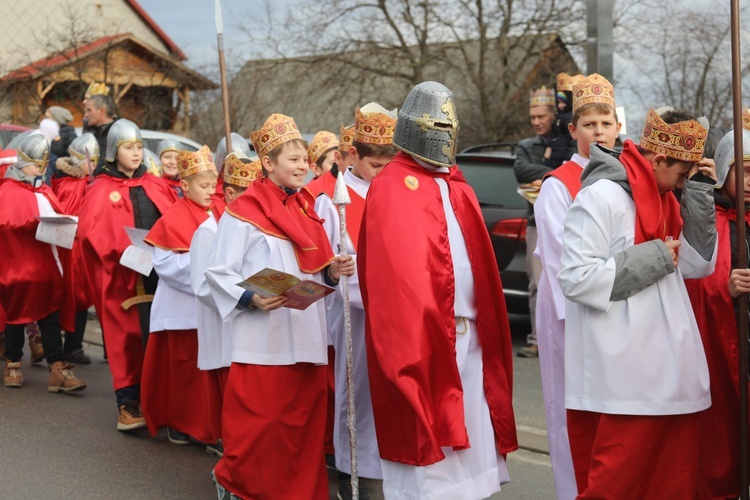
column 215, row 449
column 78, row 357
column 177, row 437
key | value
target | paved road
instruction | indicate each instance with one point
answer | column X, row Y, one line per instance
column 59, row 446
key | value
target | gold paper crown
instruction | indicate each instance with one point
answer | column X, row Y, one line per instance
column 346, row 137
column 746, row 118
column 682, row 141
column 277, row 130
column 374, row 128
column 322, row 142
column 593, row 88
column 565, row 82
column 542, row 97
column 240, row 170
column 191, row 163
column 96, row 88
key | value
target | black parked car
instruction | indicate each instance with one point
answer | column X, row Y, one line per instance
column 489, row 171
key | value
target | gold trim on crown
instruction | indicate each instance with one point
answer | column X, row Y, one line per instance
column 682, row 141
column 593, row 88
column 277, row 130
column 542, row 97
column 96, row 88
column 566, row 82
column 346, row 137
column 322, row 142
column 240, row 170
column 374, row 128
column 191, row 163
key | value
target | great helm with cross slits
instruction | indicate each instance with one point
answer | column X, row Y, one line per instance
column 427, row 126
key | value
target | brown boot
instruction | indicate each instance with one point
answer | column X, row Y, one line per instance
column 61, row 378
column 36, row 348
column 12, row 376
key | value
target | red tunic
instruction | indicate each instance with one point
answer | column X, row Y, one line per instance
column 106, row 210
column 31, row 286
column 407, row 282
column 569, row 173
column 719, row 475
column 321, row 184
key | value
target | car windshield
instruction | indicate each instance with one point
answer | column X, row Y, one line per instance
column 493, row 184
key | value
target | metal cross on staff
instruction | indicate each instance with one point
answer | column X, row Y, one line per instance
column 341, row 199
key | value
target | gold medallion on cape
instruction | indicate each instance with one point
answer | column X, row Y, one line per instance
column 411, row 182
column 115, row 196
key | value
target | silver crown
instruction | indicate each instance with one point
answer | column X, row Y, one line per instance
column 33, row 150
column 168, row 145
column 239, row 145
column 83, row 146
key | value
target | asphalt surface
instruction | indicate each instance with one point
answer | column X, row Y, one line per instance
column 58, row 446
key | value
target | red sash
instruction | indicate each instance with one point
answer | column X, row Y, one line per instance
column 569, row 173
column 174, row 230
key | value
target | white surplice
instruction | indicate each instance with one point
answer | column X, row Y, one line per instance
column 476, row 472
column 549, row 211
column 368, row 457
column 214, row 338
column 638, row 356
column 281, row 337
column 173, row 307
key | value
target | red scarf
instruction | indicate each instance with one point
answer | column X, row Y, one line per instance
column 289, row 217
column 656, row 215
column 569, row 173
column 174, row 230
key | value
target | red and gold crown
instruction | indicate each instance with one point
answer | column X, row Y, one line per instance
column 346, row 138
column 746, row 118
column 322, row 142
column 682, row 141
column 542, row 97
column 373, row 124
column 565, row 82
column 593, row 88
column 96, row 88
column 277, row 130
column 240, row 170
column 194, row 162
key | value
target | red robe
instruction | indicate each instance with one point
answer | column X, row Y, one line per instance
column 106, row 210
column 69, row 191
column 354, row 212
column 569, row 173
column 31, row 286
column 719, row 475
column 407, row 283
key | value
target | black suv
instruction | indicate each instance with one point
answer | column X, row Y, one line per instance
column 489, row 171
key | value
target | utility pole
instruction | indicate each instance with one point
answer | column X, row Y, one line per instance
column 599, row 46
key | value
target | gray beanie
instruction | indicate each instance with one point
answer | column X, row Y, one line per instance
column 60, row 114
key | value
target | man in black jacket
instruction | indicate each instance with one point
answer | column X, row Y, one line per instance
column 100, row 115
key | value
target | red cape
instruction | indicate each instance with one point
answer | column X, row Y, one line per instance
column 354, row 212
column 407, row 281
column 69, row 191
column 719, row 475
column 289, row 217
column 105, row 211
column 31, row 286
column 174, row 184
column 656, row 215
column 218, row 205
column 174, row 231
column 569, row 173
column 321, row 184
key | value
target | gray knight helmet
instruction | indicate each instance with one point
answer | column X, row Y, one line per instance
column 153, row 161
column 427, row 126
column 34, row 150
column 239, row 145
column 168, row 145
column 82, row 146
column 120, row 132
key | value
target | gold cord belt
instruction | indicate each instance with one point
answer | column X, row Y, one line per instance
column 464, row 322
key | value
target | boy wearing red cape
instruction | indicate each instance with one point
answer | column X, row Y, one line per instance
column 713, row 302
column 636, row 377
column 123, row 195
column 274, row 414
column 173, row 391
column 438, row 343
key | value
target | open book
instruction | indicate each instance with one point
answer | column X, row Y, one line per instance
column 301, row 293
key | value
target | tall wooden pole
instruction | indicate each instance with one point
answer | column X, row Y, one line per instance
column 741, row 254
column 223, row 71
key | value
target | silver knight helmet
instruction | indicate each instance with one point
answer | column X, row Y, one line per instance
column 168, row 145
column 239, row 145
column 153, row 161
column 83, row 146
column 34, row 150
column 120, row 132
column 427, row 126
